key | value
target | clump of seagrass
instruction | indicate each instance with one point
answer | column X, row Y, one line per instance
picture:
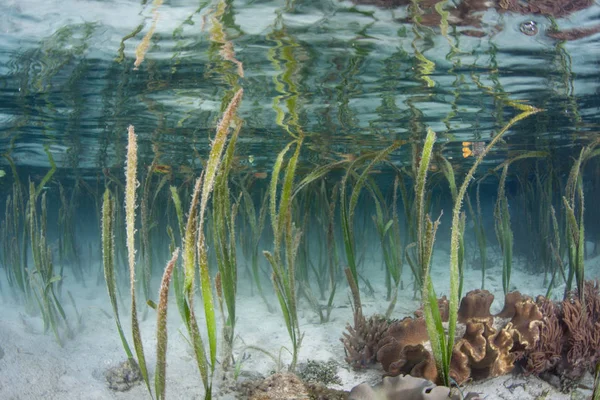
column 127, row 373
column 286, row 235
column 195, row 252
column 361, row 343
column 161, row 328
column 108, row 257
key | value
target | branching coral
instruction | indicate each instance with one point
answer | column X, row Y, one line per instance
column 582, row 346
column 546, row 354
column 361, row 343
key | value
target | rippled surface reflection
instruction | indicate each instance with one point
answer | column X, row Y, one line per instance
column 351, row 77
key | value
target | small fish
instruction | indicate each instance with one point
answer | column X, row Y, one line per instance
column 260, row 175
column 161, row 169
column 2, row 173
column 474, row 149
column 467, row 152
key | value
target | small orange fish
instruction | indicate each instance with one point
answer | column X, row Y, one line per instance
column 161, row 169
column 474, row 149
column 260, row 175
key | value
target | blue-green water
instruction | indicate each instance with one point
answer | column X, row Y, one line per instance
column 348, row 78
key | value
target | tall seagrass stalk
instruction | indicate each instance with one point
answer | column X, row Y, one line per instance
column 554, row 244
column 145, row 223
column 443, row 360
column 596, row 393
column 224, row 216
column 502, row 217
column 504, row 231
column 426, row 231
column 256, row 220
column 479, row 233
column 425, row 227
column 574, row 207
column 448, row 172
column 287, row 235
column 161, row 328
column 195, row 252
column 186, row 298
column 212, row 168
column 108, row 261
column 14, row 243
column 348, row 205
column 43, row 279
column 131, row 185
column 326, row 214
column 388, row 231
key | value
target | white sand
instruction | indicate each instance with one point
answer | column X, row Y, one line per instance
column 34, row 366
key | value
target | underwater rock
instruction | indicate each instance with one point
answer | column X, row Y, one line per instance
column 318, row 391
column 320, row 372
column 280, row 386
column 124, row 376
column 403, row 387
column 476, row 304
column 286, row 386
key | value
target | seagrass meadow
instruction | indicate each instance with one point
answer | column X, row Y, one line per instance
column 288, row 199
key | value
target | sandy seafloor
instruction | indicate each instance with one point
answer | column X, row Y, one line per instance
column 34, row 366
